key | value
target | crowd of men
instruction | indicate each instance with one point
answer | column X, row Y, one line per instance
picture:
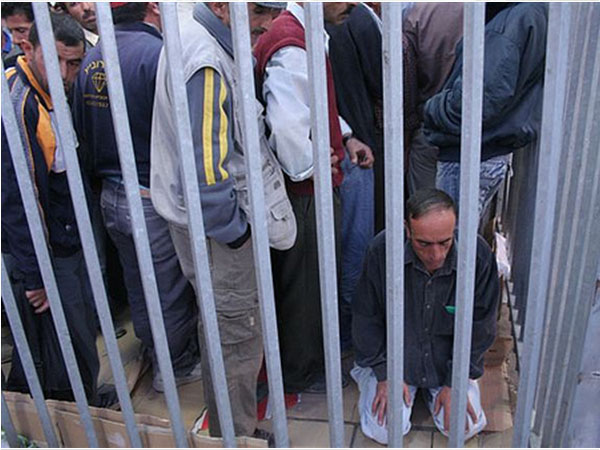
column 515, row 36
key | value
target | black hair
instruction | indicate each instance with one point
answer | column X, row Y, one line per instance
column 426, row 200
column 129, row 13
column 65, row 28
column 15, row 8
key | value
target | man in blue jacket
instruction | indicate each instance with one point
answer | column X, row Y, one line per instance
column 139, row 42
column 28, row 84
column 515, row 50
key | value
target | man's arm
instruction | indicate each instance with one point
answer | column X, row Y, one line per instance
column 211, row 114
column 286, row 91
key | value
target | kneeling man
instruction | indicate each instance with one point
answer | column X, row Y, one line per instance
column 430, row 262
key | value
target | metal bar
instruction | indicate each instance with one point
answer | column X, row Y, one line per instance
column 43, row 256
column 262, row 254
column 394, row 207
column 20, row 340
column 7, row 423
column 120, row 117
column 67, row 142
column 206, row 303
column 315, row 45
column 544, row 216
column 470, row 156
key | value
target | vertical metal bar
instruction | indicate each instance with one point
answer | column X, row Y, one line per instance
column 196, row 225
column 7, row 423
column 262, row 255
column 544, row 217
column 67, row 142
column 120, row 117
column 315, row 45
column 20, row 340
column 43, row 256
column 394, row 207
column 470, row 156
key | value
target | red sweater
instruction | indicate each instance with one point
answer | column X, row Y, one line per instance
column 286, row 31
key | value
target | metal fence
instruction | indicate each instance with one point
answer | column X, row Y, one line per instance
column 555, row 273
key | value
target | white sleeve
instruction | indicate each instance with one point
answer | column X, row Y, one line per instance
column 345, row 127
column 286, row 93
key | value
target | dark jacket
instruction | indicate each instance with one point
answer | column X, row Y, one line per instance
column 515, row 50
column 139, row 46
column 429, row 307
column 34, row 106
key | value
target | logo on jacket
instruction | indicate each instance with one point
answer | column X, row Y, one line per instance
column 99, row 81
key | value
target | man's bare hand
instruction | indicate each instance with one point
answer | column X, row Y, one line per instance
column 380, row 402
column 38, row 300
column 334, row 161
column 444, row 399
column 360, row 153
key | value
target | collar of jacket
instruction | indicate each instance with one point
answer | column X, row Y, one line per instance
column 217, row 29
column 410, row 257
column 139, row 26
column 24, row 69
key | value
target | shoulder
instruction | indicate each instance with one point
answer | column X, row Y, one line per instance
column 485, row 256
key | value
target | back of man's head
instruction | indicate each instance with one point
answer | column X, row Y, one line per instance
column 16, row 8
column 65, row 29
column 426, row 200
column 129, row 12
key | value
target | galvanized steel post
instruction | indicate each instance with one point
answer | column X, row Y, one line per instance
column 394, row 207
column 468, row 217
column 67, row 141
column 262, row 255
column 547, row 180
column 315, row 45
column 38, row 234
column 204, row 290
column 130, row 179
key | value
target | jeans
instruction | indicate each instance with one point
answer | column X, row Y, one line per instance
column 492, row 173
column 177, row 297
column 367, row 386
column 358, row 228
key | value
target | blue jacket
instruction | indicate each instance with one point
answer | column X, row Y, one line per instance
column 515, row 51
column 34, row 107
column 139, row 46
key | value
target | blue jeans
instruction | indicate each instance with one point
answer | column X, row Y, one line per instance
column 176, row 294
column 492, row 173
column 358, row 228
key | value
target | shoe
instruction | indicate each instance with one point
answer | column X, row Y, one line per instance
column 266, row 436
column 106, row 396
column 194, row 375
column 320, row 385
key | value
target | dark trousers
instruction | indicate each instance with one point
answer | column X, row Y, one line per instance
column 78, row 304
column 298, row 296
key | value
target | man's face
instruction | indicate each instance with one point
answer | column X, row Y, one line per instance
column 84, row 13
column 432, row 236
column 69, row 60
column 260, row 19
column 336, row 12
column 19, row 27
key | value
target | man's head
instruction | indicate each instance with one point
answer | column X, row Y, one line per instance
column 84, row 13
column 130, row 12
column 430, row 223
column 70, row 46
column 260, row 16
column 337, row 12
column 19, row 19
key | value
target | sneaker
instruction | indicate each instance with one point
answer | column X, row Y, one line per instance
column 266, row 436
column 194, row 375
column 320, row 385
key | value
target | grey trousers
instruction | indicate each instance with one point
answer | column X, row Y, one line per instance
column 236, row 301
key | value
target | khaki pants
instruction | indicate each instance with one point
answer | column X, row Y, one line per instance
column 236, row 301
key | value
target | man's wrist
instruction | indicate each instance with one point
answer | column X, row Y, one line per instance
column 241, row 240
column 346, row 138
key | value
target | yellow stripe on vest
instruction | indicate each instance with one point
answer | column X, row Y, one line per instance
column 207, row 125
column 222, row 132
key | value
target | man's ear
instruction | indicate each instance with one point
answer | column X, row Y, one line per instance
column 27, row 48
column 220, row 9
column 407, row 228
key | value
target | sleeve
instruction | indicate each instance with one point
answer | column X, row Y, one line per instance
column 285, row 91
column 211, row 108
column 485, row 310
column 368, row 316
column 15, row 227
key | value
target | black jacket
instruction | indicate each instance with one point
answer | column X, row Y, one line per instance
column 429, row 308
column 515, row 50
